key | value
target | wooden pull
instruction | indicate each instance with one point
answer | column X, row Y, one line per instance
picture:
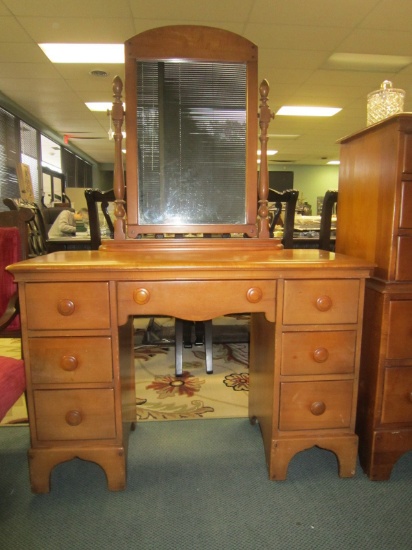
column 141, row 296
column 324, row 303
column 410, row 396
column 69, row 363
column 317, row 408
column 65, row 307
column 74, row 418
column 254, row 295
column 320, row 355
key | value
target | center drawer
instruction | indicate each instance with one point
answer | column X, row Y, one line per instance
column 196, row 300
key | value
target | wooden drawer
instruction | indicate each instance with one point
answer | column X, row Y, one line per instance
column 397, row 398
column 70, row 360
column 404, row 259
column 321, row 302
column 315, row 405
column 67, row 306
column 318, row 352
column 74, row 414
column 196, row 300
column 405, row 219
column 400, row 330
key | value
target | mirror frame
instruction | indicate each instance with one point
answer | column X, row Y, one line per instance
column 191, row 43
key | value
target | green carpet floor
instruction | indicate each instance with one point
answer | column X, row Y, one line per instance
column 202, row 485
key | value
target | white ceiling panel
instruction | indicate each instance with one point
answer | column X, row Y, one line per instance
column 295, row 40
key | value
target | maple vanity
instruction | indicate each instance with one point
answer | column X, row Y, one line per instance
column 76, row 312
column 77, row 307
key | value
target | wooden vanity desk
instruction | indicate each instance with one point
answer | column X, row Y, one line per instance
column 77, row 308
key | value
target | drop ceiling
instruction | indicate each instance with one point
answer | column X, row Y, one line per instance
column 298, row 45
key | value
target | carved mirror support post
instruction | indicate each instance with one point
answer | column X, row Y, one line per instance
column 118, row 184
column 265, row 115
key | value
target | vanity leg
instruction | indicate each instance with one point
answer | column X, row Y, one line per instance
column 42, row 461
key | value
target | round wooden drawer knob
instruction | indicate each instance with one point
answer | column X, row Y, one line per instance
column 254, row 295
column 69, row 362
column 141, row 296
column 74, row 418
column 65, row 307
column 317, row 408
column 320, row 355
column 324, row 303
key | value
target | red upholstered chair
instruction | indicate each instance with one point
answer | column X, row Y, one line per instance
column 13, row 248
column 12, row 383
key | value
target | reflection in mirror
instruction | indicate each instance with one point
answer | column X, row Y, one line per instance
column 191, row 123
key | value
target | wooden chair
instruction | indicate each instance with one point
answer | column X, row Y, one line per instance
column 288, row 198
column 37, row 237
column 329, row 201
column 94, row 198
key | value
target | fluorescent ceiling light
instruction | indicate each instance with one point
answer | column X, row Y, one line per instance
column 367, row 62
column 100, row 106
column 333, row 162
column 84, row 53
column 307, row 111
column 269, row 152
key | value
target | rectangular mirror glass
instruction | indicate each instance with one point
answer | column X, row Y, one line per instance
column 191, row 136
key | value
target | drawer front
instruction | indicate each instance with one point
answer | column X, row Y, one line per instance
column 70, row 360
column 196, row 300
column 397, row 397
column 405, row 220
column 400, row 330
column 67, row 306
column 318, row 352
column 74, row 414
column 315, row 405
column 328, row 301
column 404, row 259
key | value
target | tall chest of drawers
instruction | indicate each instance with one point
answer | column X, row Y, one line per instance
column 375, row 223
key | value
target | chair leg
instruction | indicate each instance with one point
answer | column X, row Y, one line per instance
column 208, row 346
column 179, row 346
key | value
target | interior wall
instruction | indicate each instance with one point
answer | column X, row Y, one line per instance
column 312, row 181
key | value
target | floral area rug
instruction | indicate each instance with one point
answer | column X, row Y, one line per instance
column 160, row 394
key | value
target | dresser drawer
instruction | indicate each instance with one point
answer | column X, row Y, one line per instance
column 405, row 219
column 70, row 360
column 196, row 300
column 397, row 396
column 400, row 330
column 315, row 405
column 404, row 259
column 318, row 352
column 67, row 306
column 327, row 301
column 74, row 414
